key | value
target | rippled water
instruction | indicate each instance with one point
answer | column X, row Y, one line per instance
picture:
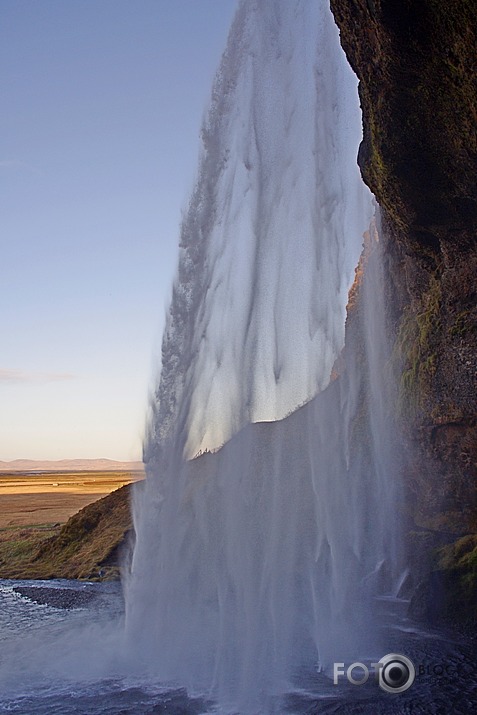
column 57, row 660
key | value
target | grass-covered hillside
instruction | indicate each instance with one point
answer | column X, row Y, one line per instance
column 90, row 545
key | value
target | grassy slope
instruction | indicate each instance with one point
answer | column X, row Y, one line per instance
column 88, row 546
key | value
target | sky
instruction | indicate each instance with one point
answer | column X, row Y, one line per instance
column 99, row 140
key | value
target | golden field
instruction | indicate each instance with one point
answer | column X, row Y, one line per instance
column 40, row 539
column 52, row 497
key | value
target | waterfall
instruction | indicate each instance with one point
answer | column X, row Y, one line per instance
column 260, row 557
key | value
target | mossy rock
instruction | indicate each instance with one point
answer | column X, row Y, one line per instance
column 449, row 592
column 416, row 349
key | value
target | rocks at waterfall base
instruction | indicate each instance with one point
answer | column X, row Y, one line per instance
column 417, row 68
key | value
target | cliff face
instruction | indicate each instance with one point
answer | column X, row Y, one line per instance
column 417, row 67
column 416, row 62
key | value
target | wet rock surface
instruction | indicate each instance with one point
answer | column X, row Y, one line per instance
column 445, row 663
column 418, row 89
column 67, row 598
column 416, row 63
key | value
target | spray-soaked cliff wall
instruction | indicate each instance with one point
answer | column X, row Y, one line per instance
column 417, row 68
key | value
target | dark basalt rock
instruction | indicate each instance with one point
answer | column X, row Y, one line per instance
column 66, row 598
column 417, row 66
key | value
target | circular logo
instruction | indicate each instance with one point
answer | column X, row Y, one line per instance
column 397, row 673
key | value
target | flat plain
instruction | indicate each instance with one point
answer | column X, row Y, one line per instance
column 50, row 498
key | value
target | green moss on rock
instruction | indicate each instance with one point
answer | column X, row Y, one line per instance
column 415, row 349
column 456, row 568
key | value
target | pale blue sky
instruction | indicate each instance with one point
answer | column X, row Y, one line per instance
column 102, row 102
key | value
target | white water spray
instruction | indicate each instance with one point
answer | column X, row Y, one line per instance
column 258, row 560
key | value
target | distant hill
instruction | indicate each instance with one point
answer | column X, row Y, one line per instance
column 70, row 465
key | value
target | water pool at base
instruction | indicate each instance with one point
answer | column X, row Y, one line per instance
column 60, row 655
